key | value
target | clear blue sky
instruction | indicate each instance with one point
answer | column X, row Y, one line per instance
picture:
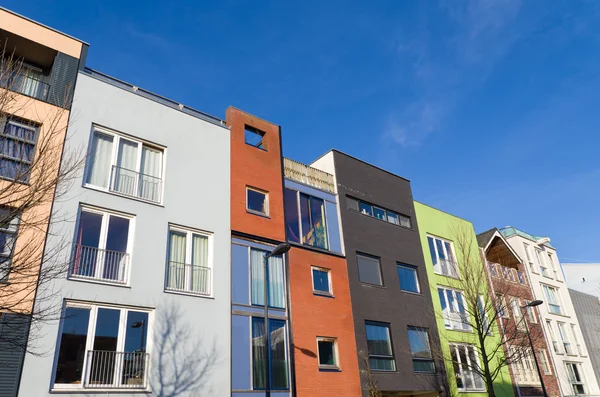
column 490, row 108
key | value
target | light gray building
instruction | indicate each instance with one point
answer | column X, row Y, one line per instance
column 587, row 308
column 583, row 277
column 146, row 299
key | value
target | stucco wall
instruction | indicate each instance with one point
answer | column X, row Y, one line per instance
column 196, row 195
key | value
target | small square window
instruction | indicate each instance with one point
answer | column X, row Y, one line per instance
column 366, row 209
column 328, row 357
column 392, row 218
column 379, row 213
column 321, row 281
column 408, row 278
column 369, row 270
column 351, row 203
column 254, row 137
column 404, row 221
column 257, row 201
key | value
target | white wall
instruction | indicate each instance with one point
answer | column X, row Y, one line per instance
column 583, row 277
column 569, row 317
column 196, row 186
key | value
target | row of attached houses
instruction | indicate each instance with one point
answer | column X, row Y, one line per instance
column 188, row 257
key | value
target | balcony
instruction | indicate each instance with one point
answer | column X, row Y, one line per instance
column 135, row 184
column 26, row 84
column 116, row 370
column 308, row 175
column 99, row 264
column 185, row 277
column 527, row 377
column 446, row 267
column 457, row 321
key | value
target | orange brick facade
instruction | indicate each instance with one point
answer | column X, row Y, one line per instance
column 258, row 168
column 314, row 316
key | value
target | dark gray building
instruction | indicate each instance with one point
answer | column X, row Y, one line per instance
column 395, row 327
column 587, row 308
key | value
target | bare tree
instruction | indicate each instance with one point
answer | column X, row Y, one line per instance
column 180, row 371
column 34, row 173
column 370, row 384
column 479, row 310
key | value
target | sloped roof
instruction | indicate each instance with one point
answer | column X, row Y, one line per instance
column 484, row 238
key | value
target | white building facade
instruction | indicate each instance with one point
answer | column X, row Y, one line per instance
column 144, row 233
column 561, row 327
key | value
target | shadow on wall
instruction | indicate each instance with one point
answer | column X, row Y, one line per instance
column 305, row 351
column 182, row 368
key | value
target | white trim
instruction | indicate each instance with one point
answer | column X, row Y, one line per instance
column 266, row 201
column 336, row 355
column 321, row 269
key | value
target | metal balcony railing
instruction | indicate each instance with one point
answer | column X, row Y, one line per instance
column 308, row 175
column 99, row 264
column 458, row 321
column 446, row 267
column 186, row 277
column 116, row 370
column 527, row 377
column 135, row 184
column 26, row 85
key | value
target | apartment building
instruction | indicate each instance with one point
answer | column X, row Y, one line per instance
column 511, row 286
column 569, row 354
column 453, row 265
column 325, row 357
column 38, row 71
column 396, row 341
column 146, row 298
column 257, row 228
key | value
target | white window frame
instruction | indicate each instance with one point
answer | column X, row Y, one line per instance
column 544, row 363
column 549, row 291
column 515, row 304
column 114, row 157
column 468, row 364
column 529, row 260
column 553, row 265
column 564, row 336
column 530, row 312
column 576, row 338
column 106, row 214
column 582, row 382
column 555, row 346
column 454, row 311
column 336, row 353
column 452, row 253
column 539, row 254
column 189, row 233
column 503, row 309
column 312, row 278
column 267, row 204
column 93, row 307
column 484, row 315
column 525, row 367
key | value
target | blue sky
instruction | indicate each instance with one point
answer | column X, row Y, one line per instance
column 490, row 108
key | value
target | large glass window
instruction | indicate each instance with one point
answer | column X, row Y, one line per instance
column 276, row 354
column 9, row 222
column 369, row 269
column 188, row 267
column 454, row 309
column 408, row 278
column 275, row 275
column 307, row 225
column 442, row 257
column 379, row 343
column 103, row 246
column 102, row 347
column 466, row 367
column 553, row 299
column 576, row 377
column 125, row 166
column 420, row 350
column 321, row 281
column 17, row 148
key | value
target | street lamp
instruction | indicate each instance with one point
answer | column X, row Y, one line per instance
column 535, row 303
column 279, row 250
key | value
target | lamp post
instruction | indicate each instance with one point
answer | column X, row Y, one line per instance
column 279, row 250
column 537, row 365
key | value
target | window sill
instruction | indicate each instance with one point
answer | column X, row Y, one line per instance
column 107, row 191
column 465, row 331
column 95, row 281
column 329, row 369
column 186, row 293
column 471, row 390
column 262, row 215
column 372, row 285
column 447, row 275
column 411, row 293
column 323, row 294
column 103, row 391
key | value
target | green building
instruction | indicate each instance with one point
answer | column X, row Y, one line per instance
column 459, row 290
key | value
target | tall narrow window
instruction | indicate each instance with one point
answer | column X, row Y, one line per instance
column 553, row 266
column 540, row 259
column 553, row 299
column 277, row 354
column 305, row 219
column 483, row 315
column 515, row 303
column 544, row 362
column 292, row 216
column 275, row 275
column 552, row 336
column 102, row 247
column 442, row 257
column 17, row 148
column 466, row 367
column 369, row 270
column 454, row 309
column 576, row 339
column 420, row 350
column 564, row 336
column 530, row 312
column 576, row 378
column 125, row 166
column 379, row 343
column 102, row 347
column 529, row 260
column 9, row 221
column 188, row 266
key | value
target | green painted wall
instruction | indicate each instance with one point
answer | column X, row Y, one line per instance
column 434, row 222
